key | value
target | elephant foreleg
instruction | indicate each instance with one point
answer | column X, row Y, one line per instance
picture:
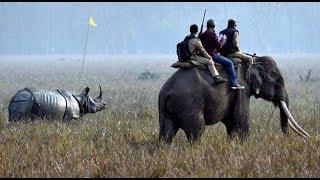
column 230, row 127
column 243, row 130
column 240, row 115
column 234, row 129
column 237, row 124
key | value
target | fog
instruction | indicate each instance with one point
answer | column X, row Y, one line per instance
column 154, row 27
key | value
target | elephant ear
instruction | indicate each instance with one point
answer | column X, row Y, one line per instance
column 255, row 80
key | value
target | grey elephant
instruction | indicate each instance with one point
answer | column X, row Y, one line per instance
column 190, row 100
column 31, row 103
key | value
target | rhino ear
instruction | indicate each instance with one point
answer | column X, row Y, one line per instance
column 85, row 91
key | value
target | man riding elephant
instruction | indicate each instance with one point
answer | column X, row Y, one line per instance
column 199, row 54
column 231, row 48
column 212, row 45
column 188, row 101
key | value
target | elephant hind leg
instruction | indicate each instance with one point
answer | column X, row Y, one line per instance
column 167, row 130
column 194, row 127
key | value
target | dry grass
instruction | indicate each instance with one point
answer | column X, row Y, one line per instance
column 121, row 141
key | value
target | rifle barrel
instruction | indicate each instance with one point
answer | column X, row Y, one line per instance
column 254, row 55
column 205, row 10
column 204, row 14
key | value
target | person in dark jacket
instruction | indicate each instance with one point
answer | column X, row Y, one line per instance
column 231, row 48
column 212, row 45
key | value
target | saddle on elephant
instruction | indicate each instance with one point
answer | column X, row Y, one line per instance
column 192, row 63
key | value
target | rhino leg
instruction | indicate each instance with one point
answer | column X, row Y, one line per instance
column 167, row 130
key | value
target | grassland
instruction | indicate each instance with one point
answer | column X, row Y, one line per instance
column 121, row 141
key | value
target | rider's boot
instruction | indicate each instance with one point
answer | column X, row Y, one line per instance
column 219, row 79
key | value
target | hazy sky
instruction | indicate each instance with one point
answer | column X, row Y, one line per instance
column 152, row 28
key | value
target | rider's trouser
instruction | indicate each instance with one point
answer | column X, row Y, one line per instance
column 243, row 57
column 228, row 64
column 209, row 63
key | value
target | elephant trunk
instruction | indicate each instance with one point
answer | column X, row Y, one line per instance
column 282, row 95
column 283, row 119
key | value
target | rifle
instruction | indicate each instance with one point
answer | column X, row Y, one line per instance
column 254, row 55
column 202, row 23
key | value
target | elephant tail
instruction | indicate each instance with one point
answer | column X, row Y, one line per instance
column 162, row 108
column 163, row 111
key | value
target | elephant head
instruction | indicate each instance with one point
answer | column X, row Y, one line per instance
column 266, row 82
column 87, row 104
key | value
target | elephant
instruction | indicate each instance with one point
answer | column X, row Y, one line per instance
column 32, row 103
column 190, row 100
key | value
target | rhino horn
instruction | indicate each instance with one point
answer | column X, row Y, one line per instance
column 100, row 95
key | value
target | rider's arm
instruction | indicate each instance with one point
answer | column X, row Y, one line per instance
column 236, row 40
column 216, row 40
column 218, row 44
column 201, row 49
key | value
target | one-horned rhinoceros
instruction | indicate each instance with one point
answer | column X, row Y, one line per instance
column 31, row 103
